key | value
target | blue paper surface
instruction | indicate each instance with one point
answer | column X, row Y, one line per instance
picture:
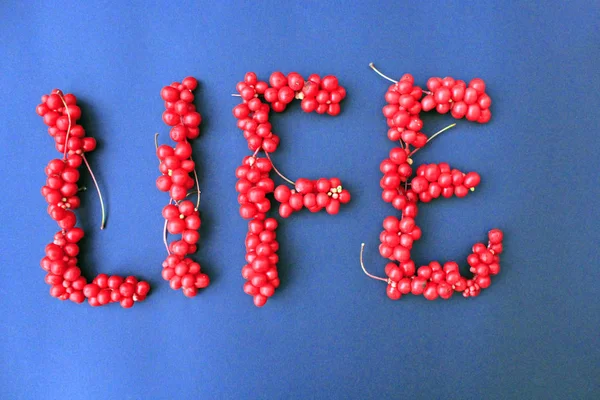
column 329, row 331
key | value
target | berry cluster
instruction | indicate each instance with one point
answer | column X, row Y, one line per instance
column 435, row 180
column 106, row 289
column 461, row 100
column 177, row 167
column 396, row 170
column 316, row 195
column 184, row 219
column 184, row 273
column 60, row 112
column 322, row 95
column 180, row 111
column 434, row 280
column 431, row 181
column 260, row 271
column 404, row 190
column 402, row 112
column 176, row 163
column 253, row 185
column 397, row 237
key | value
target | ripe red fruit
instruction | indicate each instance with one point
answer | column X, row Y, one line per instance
column 404, row 103
column 418, row 286
column 178, row 177
column 430, row 292
column 169, row 93
column 254, row 183
column 61, row 112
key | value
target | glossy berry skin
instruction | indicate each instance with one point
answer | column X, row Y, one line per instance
column 254, row 184
column 435, row 281
column 461, row 100
column 176, row 165
column 321, row 194
column 438, row 180
column 178, row 178
column 402, row 112
column 60, row 112
column 404, row 186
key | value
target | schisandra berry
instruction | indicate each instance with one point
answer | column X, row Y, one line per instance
column 404, row 190
column 184, row 273
column 177, row 168
column 435, row 180
column 253, row 184
column 60, row 112
column 463, row 101
column 397, row 238
column 260, row 271
column 315, row 195
column 322, row 95
column 402, row 112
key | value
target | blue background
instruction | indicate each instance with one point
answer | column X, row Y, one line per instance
column 329, row 332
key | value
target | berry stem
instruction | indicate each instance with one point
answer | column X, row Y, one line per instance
column 198, row 192
column 380, row 73
column 69, row 127
column 103, row 222
column 291, row 182
column 433, row 136
column 362, row 249
column 156, row 141
column 390, row 79
column 165, row 234
column 404, row 145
